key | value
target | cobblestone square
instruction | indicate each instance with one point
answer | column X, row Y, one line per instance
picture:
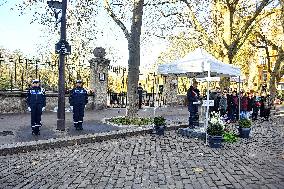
column 149, row 161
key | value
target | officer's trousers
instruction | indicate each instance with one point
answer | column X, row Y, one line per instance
column 78, row 113
column 36, row 111
column 140, row 102
column 193, row 119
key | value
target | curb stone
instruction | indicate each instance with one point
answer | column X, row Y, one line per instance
column 23, row 147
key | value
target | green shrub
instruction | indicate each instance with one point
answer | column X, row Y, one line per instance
column 215, row 130
column 131, row 121
column 159, row 121
column 230, row 137
column 245, row 123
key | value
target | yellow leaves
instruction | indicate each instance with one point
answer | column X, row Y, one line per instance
column 34, row 162
column 198, row 170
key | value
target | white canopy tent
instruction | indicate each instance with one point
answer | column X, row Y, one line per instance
column 197, row 64
column 200, row 64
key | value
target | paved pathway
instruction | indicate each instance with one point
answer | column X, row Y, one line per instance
column 16, row 127
column 148, row 161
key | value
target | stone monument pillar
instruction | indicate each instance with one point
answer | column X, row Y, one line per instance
column 99, row 77
column 170, row 90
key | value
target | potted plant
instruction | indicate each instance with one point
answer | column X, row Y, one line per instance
column 215, row 130
column 159, row 125
column 244, row 127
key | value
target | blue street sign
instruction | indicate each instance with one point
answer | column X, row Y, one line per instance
column 63, row 47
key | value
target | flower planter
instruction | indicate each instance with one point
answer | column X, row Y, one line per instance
column 215, row 141
column 160, row 130
column 244, row 132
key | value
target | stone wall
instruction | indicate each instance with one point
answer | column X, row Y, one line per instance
column 16, row 102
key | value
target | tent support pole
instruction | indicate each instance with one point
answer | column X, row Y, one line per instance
column 239, row 97
column 207, row 108
column 155, row 97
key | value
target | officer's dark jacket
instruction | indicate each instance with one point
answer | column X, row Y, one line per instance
column 78, row 95
column 36, row 95
column 192, row 96
column 140, row 91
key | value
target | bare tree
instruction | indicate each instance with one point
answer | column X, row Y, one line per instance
column 2, row 2
column 133, row 38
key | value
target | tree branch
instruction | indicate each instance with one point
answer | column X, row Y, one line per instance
column 245, row 36
column 159, row 36
column 159, row 3
column 236, row 2
column 247, row 25
column 199, row 27
column 171, row 14
column 282, row 14
column 3, row 3
column 245, row 31
column 116, row 20
column 270, row 43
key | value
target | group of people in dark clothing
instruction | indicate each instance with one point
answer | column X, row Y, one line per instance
column 251, row 104
column 36, row 102
column 228, row 103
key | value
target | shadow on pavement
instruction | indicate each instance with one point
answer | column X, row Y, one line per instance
column 90, row 127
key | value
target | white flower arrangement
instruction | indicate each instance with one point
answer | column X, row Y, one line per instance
column 216, row 119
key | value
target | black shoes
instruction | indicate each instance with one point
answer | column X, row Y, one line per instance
column 35, row 131
column 78, row 126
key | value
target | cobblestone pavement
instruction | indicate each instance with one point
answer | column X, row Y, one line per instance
column 16, row 127
column 148, row 161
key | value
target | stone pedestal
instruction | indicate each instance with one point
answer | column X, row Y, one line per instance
column 170, row 90
column 99, row 78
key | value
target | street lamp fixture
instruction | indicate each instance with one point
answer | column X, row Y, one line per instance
column 54, row 4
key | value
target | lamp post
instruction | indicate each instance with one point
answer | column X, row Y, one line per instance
column 62, row 48
column 11, row 61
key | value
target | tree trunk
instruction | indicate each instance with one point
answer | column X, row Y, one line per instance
column 224, row 83
column 134, row 58
column 274, row 74
column 230, row 57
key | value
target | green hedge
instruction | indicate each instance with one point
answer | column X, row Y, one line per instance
column 131, row 121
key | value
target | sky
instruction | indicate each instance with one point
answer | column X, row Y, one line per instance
column 17, row 33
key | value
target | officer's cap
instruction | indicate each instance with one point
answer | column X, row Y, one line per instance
column 35, row 81
column 79, row 81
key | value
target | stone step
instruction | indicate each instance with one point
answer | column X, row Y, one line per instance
column 198, row 132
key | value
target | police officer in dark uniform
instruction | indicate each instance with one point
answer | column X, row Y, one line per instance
column 78, row 99
column 140, row 95
column 36, row 105
column 193, row 96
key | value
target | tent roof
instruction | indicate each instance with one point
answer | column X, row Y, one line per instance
column 197, row 64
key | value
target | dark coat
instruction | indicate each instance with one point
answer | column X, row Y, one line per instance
column 244, row 103
column 223, row 103
column 256, row 101
column 36, row 95
column 192, row 96
column 230, row 102
column 250, row 104
column 235, row 101
column 140, row 92
column 267, row 102
column 77, row 96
